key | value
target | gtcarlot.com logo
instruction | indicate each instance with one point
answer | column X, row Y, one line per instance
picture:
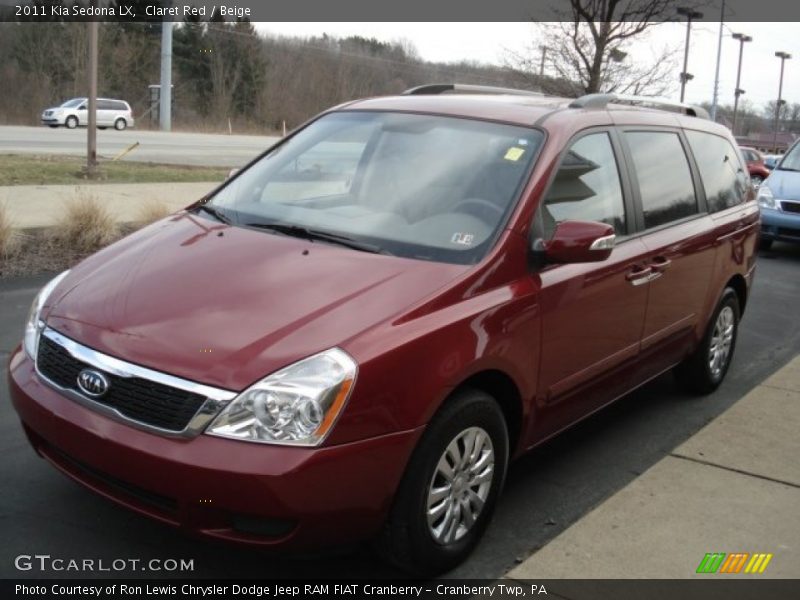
column 735, row 562
column 47, row 563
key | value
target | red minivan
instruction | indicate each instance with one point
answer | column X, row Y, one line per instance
column 351, row 337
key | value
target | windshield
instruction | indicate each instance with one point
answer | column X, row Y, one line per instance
column 72, row 103
column 418, row 186
column 791, row 162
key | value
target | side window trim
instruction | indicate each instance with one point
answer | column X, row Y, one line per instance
column 738, row 153
column 699, row 192
column 536, row 231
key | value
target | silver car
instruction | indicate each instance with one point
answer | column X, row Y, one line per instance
column 71, row 114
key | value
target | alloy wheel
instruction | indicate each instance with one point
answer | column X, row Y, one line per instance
column 721, row 340
column 460, row 485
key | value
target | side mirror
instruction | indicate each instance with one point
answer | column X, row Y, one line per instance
column 579, row 242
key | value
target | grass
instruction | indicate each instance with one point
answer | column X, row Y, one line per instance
column 151, row 211
column 84, row 227
column 7, row 238
column 32, row 169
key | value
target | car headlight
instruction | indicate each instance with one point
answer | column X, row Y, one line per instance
column 34, row 326
column 297, row 405
column 765, row 198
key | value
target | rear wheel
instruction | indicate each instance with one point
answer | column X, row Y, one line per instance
column 120, row 124
column 71, row 122
column 448, row 494
column 705, row 368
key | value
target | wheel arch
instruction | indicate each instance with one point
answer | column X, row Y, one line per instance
column 500, row 386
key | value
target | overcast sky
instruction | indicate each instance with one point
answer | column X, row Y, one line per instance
column 491, row 42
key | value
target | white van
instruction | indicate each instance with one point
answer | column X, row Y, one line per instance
column 110, row 113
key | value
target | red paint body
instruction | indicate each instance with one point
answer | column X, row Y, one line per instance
column 755, row 163
column 557, row 342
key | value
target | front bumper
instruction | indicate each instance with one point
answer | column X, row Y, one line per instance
column 779, row 225
column 238, row 491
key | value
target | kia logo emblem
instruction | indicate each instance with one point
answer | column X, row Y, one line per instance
column 92, row 383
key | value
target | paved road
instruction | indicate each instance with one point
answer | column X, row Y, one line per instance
column 154, row 146
column 43, row 512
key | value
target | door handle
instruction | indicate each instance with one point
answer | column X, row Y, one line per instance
column 639, row 275
column 660, row 264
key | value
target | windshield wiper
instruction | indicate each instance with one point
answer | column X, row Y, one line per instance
column 216, row 213
column 315, row 234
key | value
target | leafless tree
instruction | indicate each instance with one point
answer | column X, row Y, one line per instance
column 591, row 49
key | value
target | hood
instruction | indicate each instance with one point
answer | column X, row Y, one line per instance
column 785, row 185
column 226, row 306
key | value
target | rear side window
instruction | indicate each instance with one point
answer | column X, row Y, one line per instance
column 586, row 187
column 665, row 180
column 104, row 105
column 119, row 105
column 724, row 177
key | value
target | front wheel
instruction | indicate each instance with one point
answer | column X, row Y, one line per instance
column 757, row 180
column 71, row 122
column 705, row 368
column 450, row 488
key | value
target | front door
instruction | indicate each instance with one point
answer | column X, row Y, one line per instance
column 592, row 313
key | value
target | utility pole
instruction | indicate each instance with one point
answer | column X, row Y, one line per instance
column 715, row 98
column 544, row 56
column 91, row 131
column 738, row 91
column 783, row 56
column 165, row 107
column 685, row 75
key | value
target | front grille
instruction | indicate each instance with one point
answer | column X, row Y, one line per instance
column 139, row 399
column 792, row 207
column 120, row 487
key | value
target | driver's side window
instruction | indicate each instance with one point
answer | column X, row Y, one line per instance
column 586, row 188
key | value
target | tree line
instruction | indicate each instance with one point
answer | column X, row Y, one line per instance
column 223, row 72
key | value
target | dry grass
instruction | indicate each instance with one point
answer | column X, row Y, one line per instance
column 150, row 212
column 8, row 239
column 84, row 227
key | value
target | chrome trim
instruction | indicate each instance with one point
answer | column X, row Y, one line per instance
column 606, row 242
column 216, row 399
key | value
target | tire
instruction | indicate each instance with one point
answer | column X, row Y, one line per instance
column 757, row 180
column 703, row 370
column 120, row 124
column 52, row 126
column 102, row 127
column 424, row 546
column 765, row 243
column 71, row 122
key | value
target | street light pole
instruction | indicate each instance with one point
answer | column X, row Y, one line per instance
column 738, row 91
column 685, row 75
column 783, row 56
column 715, row 98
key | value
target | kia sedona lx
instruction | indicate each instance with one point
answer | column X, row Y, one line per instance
column 350, row 338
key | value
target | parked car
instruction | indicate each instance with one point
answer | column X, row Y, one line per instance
column 755, row 165
column 352, row 336
column 770, row 160
column 779, row 199
column 72, row 113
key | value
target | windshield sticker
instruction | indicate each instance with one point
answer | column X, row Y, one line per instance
column 514, row 153
column 463, row 239
column 522, row 142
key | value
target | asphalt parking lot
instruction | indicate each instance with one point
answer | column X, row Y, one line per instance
column 42, row 512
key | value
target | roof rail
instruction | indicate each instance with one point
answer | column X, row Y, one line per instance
column 440, row 88
column 603, row 100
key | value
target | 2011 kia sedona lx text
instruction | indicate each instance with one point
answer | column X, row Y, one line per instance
column 351, row 337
